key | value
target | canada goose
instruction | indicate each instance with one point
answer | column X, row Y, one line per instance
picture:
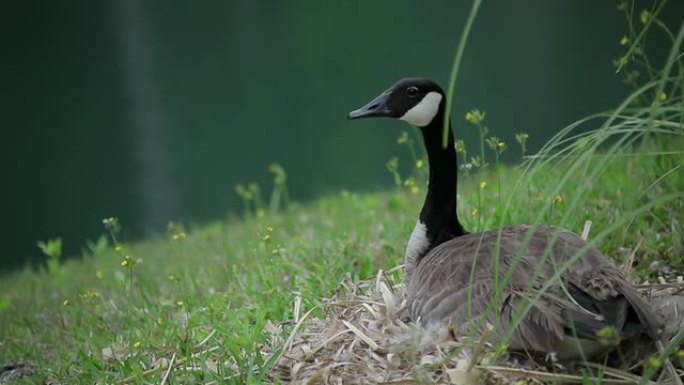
column 444, row 264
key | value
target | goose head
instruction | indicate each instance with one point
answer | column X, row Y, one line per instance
column 420, row 102
column 415, row 100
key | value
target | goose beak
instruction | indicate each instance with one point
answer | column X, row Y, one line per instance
column 376, row 107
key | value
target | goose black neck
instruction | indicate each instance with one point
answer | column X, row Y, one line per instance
column 439, row 210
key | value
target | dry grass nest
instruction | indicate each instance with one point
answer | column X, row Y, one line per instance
column 364, row 337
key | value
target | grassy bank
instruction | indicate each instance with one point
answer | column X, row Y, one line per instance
column 203, row 298
column 205, row 295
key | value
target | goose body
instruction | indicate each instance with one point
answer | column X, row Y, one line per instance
column 452, row 275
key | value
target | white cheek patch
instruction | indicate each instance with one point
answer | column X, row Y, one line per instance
column 422, row 113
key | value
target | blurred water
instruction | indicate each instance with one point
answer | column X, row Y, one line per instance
column 154, row 111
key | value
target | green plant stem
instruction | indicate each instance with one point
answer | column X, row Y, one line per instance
column 457, row 64
column 641, row 35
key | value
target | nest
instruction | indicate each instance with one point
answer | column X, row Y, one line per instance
column 365, row 337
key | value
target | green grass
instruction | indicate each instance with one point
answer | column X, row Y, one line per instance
column 215, row 288
column 205, row 295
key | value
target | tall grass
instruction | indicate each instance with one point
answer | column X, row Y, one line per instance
column 645, row 129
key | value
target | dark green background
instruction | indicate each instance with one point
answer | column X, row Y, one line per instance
column 153, row 111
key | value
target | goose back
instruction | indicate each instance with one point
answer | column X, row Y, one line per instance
column 455, row 283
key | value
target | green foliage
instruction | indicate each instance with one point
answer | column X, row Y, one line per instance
column 98, row 246
column 477, row 119
column 53, row 250
column 279, row 192
column 521, row 138
column 253, row 201
column 393, row 167
column 251, row 198
column 417, row 175
column 206, row 295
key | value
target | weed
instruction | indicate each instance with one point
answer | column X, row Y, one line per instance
column 477, row 118
column 53, row 250
column 393, row 167
column 251, row 199
column 280, row 192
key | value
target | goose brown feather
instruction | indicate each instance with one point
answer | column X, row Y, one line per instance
column 441, row 290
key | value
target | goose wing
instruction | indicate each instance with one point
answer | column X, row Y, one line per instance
column 456, row 283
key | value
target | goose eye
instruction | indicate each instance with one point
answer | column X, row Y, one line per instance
column 412, row 92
